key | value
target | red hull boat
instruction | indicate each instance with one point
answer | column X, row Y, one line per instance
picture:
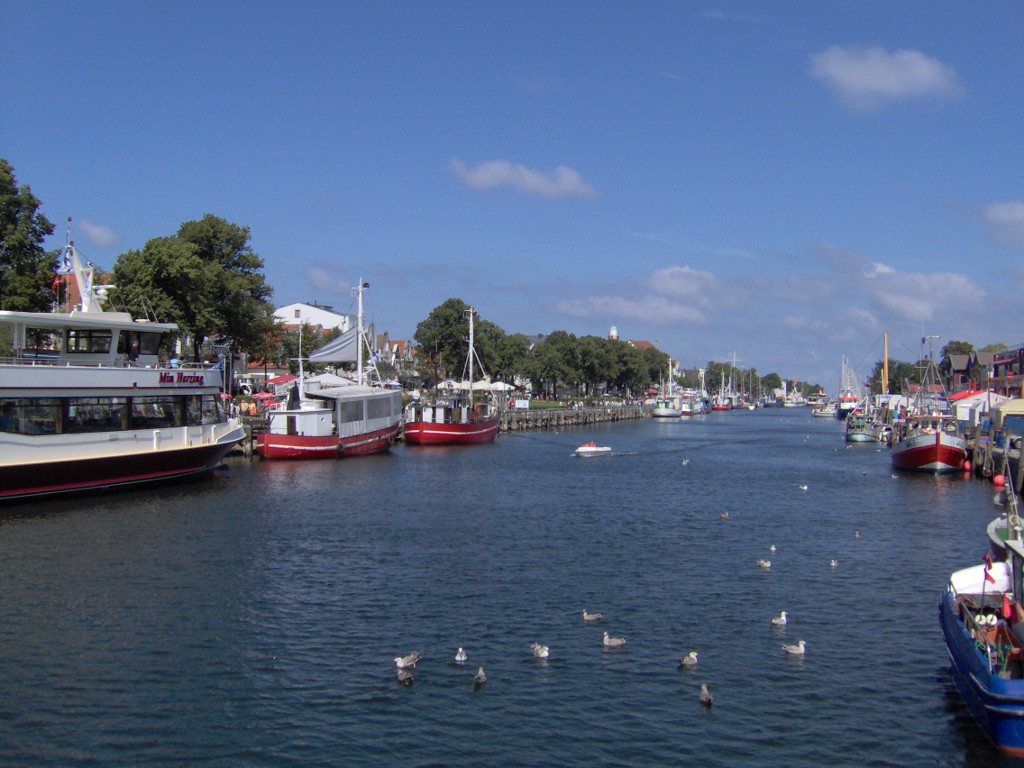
column 446, row 433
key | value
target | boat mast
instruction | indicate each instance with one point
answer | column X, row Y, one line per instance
column 470, row 312
column 359, row 320
column 885, row 364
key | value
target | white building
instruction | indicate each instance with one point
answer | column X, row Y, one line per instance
column 294, row 315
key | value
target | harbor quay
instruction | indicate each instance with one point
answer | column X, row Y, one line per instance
column 520, row 420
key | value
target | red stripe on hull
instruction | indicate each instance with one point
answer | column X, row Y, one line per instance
column 27, row 480
column 372, row 442
column 270, row 446
column 330, row 447
column 929, row 457
column 427, row 433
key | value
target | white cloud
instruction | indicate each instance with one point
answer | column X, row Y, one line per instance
column 917, row 296
column 562, row 182
column 865, row 78
column 874, row 269
column 323, row 281
column 99, row 236
column 685, row 283
column 1006, row 223
column 656, row 310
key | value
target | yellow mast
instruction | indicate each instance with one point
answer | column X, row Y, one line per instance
column 885, row 365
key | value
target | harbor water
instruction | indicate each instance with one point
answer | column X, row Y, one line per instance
column 251, row 619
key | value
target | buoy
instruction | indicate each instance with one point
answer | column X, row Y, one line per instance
column 967, row 466
column 999, row 481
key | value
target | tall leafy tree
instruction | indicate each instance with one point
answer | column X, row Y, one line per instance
column 206, row 278
column 26, row 269
column 513, row 354
column 443, row 340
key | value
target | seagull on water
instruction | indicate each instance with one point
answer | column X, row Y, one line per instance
column 404, row 677
column 856, row 534
column 460, row 656
column 833, row 563
column 724, row 515
column 684, row 462
column 407, row 662
column 480, row 678
column 764, row 564
column 613, row 642
column 539, row 651
column 689, row 660
column 706, row 699
column 592, row 616
column 803, row 487
column 780, row 620
column 771, row 548
column 796, row 650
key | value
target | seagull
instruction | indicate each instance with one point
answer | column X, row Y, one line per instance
column 689, row 660
column 460, row 656
column 796, row 650
column 684, row 462
column 613, row 642
column 480, row 678
column 833, row 563
column 406, row 662
column 780, row 620
column 803, row 487
column 592, row 616
column 404, row 677
column 856, row 534
column 771, row 548
column 706, row 699
column 539, row 651
column 724, row 515
column 764, row 564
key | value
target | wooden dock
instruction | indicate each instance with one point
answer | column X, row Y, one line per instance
column 555, row 418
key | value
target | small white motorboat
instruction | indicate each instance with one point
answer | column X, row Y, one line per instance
column 592, row 449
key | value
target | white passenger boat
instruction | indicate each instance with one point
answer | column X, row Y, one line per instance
column 85, row 404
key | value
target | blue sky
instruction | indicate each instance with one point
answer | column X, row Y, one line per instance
column 780, row 181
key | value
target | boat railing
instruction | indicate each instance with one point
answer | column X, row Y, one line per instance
column 56, row 362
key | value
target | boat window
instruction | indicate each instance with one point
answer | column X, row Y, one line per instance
column 156, row 411
column 27, row 416
column 95, row 414
column 80, row 340
column 350, row 410
column 378, row 408
column 211, row 410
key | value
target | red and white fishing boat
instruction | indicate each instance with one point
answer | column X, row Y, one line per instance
column 86, row 404
column 929, row 438
column 455, row 420
column 930, row 443
column 330, row 416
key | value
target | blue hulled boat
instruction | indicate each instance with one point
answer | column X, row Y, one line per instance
column 983, row 627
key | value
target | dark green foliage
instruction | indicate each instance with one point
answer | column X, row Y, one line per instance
column 26, row 269
column 205, row 278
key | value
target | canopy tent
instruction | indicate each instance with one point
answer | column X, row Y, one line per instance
column 972, row 406
column 344, row 349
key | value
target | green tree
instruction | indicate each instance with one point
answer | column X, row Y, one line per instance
column 26, row 269
column 206, row 279
column 900, row 374
column 512, row 358
column 443, row 339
